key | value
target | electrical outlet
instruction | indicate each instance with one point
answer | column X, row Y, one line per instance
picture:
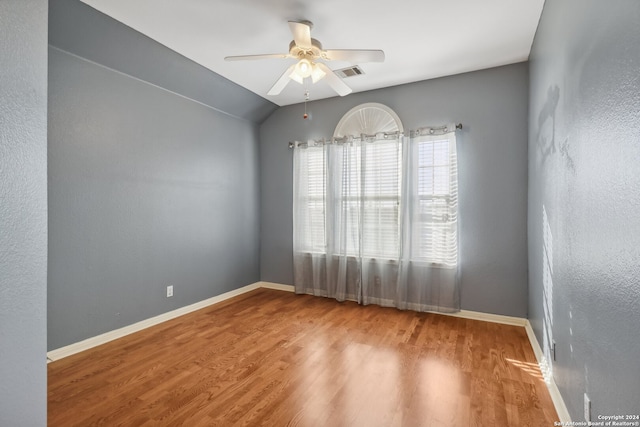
column 587, row 408
column 169, row 291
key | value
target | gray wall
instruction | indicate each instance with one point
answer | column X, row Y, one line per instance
column 23, row 212
column 584, row 171
column 492, row 105
column 147, row 187
column 78, row 28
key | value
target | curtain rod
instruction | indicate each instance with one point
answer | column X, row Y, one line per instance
column 423, row 131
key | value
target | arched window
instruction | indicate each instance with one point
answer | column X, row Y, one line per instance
column 369, row 119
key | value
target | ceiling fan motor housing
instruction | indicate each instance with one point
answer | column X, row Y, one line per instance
column 309, row 53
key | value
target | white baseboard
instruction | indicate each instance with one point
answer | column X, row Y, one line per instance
column 276, row 286
column 556, row 397
column 69, row 350
column 489, row 317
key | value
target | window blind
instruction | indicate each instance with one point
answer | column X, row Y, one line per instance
column 435, row 225
column 311, row 209
column 369, row 175
column 381, row 199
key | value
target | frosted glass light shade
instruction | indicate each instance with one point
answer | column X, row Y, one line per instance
column 304, row 68
column 317, row 73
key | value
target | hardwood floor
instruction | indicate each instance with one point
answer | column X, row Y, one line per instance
column 273, row 358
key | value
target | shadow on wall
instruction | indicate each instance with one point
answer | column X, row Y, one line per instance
column 546, row 137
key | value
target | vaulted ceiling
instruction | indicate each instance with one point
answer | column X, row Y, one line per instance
column 422, row 39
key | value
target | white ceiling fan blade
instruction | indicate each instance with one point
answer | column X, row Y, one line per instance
column 334, row 81
column 301, row 34
column 352, row 55
column 252, row 57
column 282, row 82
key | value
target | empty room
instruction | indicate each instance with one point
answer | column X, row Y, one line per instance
column 414, row 213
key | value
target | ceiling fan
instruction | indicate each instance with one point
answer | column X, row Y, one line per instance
column 309, row 53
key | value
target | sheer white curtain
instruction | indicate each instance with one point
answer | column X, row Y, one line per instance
column 375, row 220
column 309, row 223
column 429, row 279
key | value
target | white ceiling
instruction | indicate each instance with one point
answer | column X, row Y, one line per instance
column 422, row 39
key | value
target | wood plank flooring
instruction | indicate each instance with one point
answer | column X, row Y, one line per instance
column 273, row 358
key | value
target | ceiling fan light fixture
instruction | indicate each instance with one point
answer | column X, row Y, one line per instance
column 304, row 68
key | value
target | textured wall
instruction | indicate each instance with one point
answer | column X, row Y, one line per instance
column 584, row 200
column 492, row 153
column 23, row 212
column 147, row 188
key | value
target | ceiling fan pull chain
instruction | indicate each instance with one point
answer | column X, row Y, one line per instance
column 306, row 98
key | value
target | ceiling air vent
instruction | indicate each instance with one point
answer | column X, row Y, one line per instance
column 349, row 72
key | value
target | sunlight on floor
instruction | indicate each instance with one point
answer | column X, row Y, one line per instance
column 529, row 368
